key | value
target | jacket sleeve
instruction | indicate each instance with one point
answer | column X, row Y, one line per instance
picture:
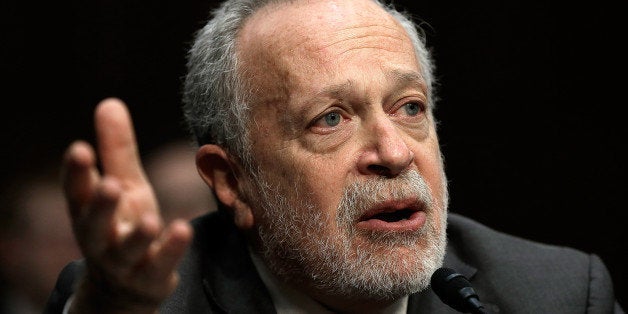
column 64, row 288
column 601, row 296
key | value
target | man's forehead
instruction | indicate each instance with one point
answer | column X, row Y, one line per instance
column 286, row 24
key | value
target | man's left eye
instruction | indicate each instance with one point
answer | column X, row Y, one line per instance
column 329, row 120
column 332, row 119
column 412, row 108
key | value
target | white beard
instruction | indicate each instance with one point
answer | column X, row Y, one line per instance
column 300, row 244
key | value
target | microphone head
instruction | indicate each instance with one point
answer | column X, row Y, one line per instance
column 453, row 289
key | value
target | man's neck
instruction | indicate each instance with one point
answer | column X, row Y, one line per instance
column 288, row 299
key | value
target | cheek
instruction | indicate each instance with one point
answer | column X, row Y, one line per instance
column 322, row 180
column 430, row 166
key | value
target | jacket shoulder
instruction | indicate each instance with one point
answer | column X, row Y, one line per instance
column 482, row 243
column 511, row 269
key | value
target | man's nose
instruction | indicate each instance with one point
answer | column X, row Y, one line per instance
column 385, row 152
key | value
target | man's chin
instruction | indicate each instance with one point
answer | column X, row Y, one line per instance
column 378, row 272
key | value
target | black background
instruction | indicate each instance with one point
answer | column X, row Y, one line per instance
column 532, row 102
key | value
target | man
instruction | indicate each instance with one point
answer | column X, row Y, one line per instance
column 316, row 134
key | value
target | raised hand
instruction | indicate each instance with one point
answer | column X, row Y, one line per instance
column 131, row 257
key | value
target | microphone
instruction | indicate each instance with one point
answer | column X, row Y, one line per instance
column 455, row 290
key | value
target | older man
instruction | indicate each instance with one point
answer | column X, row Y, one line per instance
column 316, row 133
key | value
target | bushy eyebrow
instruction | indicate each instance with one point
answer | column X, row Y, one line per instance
column 337, row 90
column 400, row 79
column 404, row 79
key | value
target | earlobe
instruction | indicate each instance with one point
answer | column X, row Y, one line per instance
column 219, row 172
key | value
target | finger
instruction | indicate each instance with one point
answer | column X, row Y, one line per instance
column 154, row 276
column 96, row 228
column 79, row 176
column 116, row 141
column 133, row 240
column 168, row 250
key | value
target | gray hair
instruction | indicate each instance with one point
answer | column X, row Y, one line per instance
column 215, row 97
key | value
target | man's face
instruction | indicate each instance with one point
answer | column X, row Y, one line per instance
column 349, row 195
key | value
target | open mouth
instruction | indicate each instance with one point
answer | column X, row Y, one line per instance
column 393, row 216
column 403, row 214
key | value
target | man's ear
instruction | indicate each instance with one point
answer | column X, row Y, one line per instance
column 219, row 173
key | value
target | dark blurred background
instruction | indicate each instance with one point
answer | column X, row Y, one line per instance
column 532, row 102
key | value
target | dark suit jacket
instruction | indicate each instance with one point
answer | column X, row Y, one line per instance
column 511, row 275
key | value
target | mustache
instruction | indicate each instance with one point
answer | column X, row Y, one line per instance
column 360, row 196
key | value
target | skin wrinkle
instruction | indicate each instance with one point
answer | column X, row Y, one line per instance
column 364, row 42
column 358, row 37
column 366, row 47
